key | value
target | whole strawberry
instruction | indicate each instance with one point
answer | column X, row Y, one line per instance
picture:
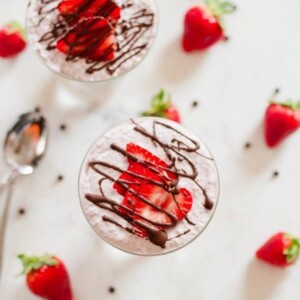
column 281, row 120
column 12, row 40
column 203, row 25
column 47, row 277
column 162, row 106
column 281, row 250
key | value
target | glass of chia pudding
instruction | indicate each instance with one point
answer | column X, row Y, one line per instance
column 91, row 40
column 148, row 186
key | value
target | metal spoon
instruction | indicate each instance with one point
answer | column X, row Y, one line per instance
column 24, row 146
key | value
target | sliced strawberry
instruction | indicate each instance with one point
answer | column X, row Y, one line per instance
column 70, row 7
column 178, row 205
column 106, row 50
column 135, row 175
column 104, row 8
column 146, row 156
column 74, row 10
column 129, row 201
column 91, row 38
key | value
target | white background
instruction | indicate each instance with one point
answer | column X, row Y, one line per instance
column 232, row 83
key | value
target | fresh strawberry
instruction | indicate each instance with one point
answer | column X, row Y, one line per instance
column 91, row 38
column 281, row 250
column 203, row 25
column 281, row 120
column 12, row 40
column 47, row 277
column 161, row 106
column 74, row 10
column 178, row 205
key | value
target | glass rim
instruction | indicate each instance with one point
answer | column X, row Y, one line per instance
column 83, row 164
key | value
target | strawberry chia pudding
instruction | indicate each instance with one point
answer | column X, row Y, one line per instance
column 91, row 40
column 148, row 186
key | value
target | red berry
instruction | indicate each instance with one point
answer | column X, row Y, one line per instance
column 202, row 25
column 12, row 41
column 201, row 29
column 148, row 165
column 74, row 10
column 178, row 206
column 281, row 120
column 280, row 250
column 91, row 38
column 146, row 178
column 47, row 277
column 172, row 113
column 161, row 106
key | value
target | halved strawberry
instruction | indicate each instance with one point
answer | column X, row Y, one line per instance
column 74, row 10
column 178, row 205
column 91, row 38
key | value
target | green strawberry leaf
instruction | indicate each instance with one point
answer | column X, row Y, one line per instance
column 13, row 27
column 219, row 8
column 34, row 263
column 288, row 103
column 293, row 251
column 159, row 104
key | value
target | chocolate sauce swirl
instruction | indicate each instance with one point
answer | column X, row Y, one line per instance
column 179, row 165
column 130, row 33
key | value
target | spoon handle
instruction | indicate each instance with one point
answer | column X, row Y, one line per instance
column 6, row 184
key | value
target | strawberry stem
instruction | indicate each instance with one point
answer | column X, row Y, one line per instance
column 293, row 251
column 13, row 27
column 33, row 263
column 219, row 8
column 159, row 104
column 288, row 103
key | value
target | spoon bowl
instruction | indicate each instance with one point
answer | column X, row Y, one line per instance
column 25, row 143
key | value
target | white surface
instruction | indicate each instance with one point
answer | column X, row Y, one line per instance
column 232, row 82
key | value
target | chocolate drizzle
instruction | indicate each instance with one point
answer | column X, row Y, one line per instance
column 177, row 152
column 129, row 33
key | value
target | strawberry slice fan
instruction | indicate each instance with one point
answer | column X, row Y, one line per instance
column 92, row 29
column 148, row 180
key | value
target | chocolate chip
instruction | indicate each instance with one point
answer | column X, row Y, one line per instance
column 247, row 145
column 195, row 103
column 226, row 38
column 275, row 174
column 111, row 289
column 21, row 211
column 276, row 91
column 60, row 178
column 63, row 127
column 37, row 109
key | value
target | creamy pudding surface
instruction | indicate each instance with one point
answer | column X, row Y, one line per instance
column 148, row 186
column 92, row 40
